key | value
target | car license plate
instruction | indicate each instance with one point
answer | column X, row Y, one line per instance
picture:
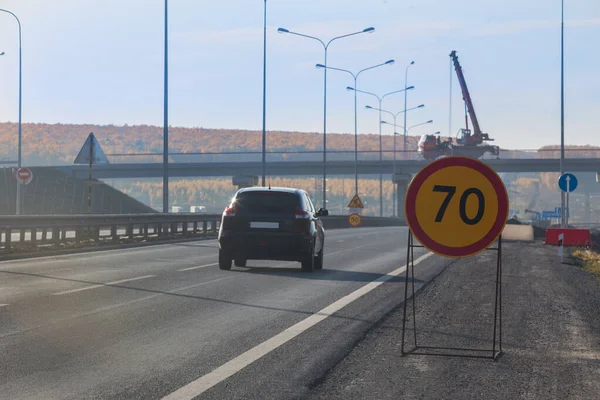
column 264, row 225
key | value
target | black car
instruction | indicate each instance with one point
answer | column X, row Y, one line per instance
column 271, row 224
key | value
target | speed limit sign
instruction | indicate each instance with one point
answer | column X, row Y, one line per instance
column 354, row 219
column 456, row 206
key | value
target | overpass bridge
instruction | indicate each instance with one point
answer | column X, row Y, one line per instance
column 304, row 168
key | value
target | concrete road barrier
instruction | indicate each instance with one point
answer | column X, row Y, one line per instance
column 521, row 233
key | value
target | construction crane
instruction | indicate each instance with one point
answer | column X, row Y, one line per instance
column 466, row 143
column 467, row 138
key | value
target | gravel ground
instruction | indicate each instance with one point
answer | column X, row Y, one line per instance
column 551, row 336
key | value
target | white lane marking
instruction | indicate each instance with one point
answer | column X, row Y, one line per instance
column 103, row 285
column 3, row 305
column 340, row 241
column 197, row 267
column 202, row 384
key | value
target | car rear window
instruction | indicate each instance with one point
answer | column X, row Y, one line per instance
column 267, row 202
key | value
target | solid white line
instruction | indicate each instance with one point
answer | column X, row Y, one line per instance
column 202, row 384
column 197, row 267
column 103, row 285
column 3, row 305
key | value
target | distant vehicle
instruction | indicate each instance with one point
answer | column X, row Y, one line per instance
column 176, row 209
column 198, row 209
column 271, row 224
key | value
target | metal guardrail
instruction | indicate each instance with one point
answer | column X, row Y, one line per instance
column 35, row 231
column 40, row 230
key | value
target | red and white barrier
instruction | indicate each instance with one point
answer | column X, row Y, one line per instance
column 572, row 237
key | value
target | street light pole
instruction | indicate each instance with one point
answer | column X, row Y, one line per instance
column 380, row 100
column 405, row 83
column 562, row 108
column 394, row 116
column 410, row 127
column 264, row 105
column 405, row 130
column 166, row 121
column 355, row 76
column 325, row 48
column 19, row 152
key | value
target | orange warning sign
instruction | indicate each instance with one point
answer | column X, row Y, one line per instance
column 356, row 202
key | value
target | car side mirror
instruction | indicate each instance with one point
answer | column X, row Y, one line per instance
column 322, row 212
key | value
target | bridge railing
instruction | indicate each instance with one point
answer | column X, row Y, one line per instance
column 35, row 232
column 332, row 155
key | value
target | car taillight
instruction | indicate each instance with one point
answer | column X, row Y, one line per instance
column 301, row 214
column 229, row 212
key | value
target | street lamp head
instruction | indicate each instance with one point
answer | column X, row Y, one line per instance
column 349, row 88
column 1, row 54
column 282, row 30
column 389, row 62
column 412, row 62
column 436, row 133
column 368, row 107
column 421, row 106
column 384, row 122
column 369, row 30
column 410, row 88
column 320, row 66
column 429, row 122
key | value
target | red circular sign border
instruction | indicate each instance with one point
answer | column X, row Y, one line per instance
column 359, row 219
column 23, row 169
column 456, row 161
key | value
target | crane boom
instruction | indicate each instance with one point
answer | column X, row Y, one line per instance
column 466, row 95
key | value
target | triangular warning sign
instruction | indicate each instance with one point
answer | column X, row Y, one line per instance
column 91, row 150
column 356, row 202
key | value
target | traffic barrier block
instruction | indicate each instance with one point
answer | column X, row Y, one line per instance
column 571, row 237
column 522, row 233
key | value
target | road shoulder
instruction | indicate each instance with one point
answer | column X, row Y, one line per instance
column 551, row 335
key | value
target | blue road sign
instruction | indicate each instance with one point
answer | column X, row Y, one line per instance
column 558, row 211
column 567, row 182
column 550, row 214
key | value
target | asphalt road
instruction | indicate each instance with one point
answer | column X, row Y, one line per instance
column 551, row 336
column 157, row 321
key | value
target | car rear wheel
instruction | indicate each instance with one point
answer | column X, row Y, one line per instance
column 240, row 262
column 224, row 260
column 319, row 260
column 308, row 263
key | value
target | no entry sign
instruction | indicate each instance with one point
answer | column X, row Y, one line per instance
column 24, row 175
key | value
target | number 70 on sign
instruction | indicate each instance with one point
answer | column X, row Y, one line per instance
column 456, row 206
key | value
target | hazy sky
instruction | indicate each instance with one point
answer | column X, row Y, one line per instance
column 101, row 61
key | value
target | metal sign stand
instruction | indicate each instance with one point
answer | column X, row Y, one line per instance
column 494, row 352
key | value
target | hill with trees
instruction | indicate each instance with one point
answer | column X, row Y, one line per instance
column 53, row 144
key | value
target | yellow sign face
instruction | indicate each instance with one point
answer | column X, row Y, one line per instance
column 354, row 219
column 456, row 206
column 356, row 202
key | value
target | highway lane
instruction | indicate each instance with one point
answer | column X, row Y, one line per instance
column 144, row 322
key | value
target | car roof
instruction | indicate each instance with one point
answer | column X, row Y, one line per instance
column 272, row 189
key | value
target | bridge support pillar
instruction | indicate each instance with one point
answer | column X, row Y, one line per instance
column 401, row 181
column 243, row 181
